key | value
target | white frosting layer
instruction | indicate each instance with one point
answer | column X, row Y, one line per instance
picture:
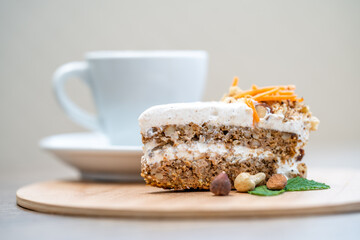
column 197, row 150
column 216, row 113
column 198, row 113
column 288, row 169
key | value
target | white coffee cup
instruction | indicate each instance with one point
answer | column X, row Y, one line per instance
column 125, row 83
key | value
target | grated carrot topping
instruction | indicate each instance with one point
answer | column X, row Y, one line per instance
column 264, row 94
column 251, row 105
column 286, row 92
column 235, row 82
column 258, row 96
column 277, row 98
column 252, row 92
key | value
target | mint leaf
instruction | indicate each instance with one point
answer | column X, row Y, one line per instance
column 264, row 191
column 294, row 184
column 303, row 184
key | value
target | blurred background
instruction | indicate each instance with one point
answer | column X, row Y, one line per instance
column 312, row 44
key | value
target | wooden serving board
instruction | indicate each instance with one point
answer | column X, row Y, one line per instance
column 138, row 200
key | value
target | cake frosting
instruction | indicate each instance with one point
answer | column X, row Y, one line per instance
column 215, row 113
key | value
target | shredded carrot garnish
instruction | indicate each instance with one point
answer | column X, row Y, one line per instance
column 235, row 82
column 258, row 96
column 251, row 105
column 253, row 92
column 265, row 94
column 276, row 98
column 286, row 92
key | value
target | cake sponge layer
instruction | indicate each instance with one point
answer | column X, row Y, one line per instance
column 193, row 165
column 181, row 174
column 285, row 145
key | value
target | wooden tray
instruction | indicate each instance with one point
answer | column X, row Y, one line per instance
column 138, row 200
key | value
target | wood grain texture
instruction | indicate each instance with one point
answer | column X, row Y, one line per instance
column 138, row 200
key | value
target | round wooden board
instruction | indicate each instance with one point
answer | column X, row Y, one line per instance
column 138, row 200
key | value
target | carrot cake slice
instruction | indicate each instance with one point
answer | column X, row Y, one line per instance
column 259, row 130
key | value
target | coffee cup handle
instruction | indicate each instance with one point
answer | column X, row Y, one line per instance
column 61, row 76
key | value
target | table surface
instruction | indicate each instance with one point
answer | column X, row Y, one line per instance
column 18, row 223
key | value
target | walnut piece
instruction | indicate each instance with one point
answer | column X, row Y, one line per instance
column 276, row 182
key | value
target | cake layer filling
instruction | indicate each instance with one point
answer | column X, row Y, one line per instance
column 220, row 113
column 195, row 151
column 286, row 145
column 192, row 153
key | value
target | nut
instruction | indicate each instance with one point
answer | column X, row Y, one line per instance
column 276, row 182
column 221, row 185
column 247, row 134
column 314, row 123
column 262, row 110
column 301, row 155
column 302, row 170
column 255, row 143
column 159, row 176
column 245, row 182
column 305, row 109
column 170, row 130
column 286, row 136
column 234, row 90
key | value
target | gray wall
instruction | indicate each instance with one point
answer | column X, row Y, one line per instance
column 313, row 44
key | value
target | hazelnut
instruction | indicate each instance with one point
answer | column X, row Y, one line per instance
column 221, row 185
column 245, row 182
column 276, row 182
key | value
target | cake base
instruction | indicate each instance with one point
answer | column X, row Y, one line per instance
column 197, row 174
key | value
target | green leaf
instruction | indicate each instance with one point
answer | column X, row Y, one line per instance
column 264, row 191
column 303, row 184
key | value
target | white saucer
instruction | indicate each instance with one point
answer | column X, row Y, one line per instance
column 94, row 157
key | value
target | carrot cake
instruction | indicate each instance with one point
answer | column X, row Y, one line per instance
column 259, row 130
